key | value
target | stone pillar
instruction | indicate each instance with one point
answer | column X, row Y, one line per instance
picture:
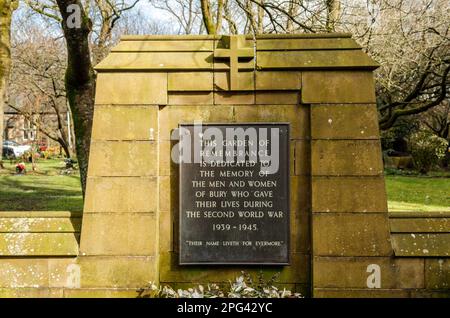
column 119, row 237
column 350, row 229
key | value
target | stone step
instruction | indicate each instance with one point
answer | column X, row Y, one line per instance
column 39, row 233
column 424, row 234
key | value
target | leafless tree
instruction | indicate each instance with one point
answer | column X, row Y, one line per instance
column 333, row 14
column 212, row 15
column 187, row 14
column 87, row 28
column 411, row 41
column 438, row 120
column 409, row 38
column 37, row 89
column 6, row 9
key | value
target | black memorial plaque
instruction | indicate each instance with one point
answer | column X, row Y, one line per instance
column 233, row 208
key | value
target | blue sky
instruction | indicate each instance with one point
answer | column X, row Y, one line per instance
column 144, row 7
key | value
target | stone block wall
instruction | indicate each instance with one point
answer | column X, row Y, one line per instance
column 349, row 206
column 38, row 253
column 138, row 154
column 175, row 83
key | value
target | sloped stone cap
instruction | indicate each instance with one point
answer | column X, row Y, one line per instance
column 272, row 52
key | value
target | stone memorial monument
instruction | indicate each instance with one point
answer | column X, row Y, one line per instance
column 319, row 219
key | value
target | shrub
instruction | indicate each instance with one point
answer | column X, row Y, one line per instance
column 243, row 287
column 427, row 150
column 50, row 152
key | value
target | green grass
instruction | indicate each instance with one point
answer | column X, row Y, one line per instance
column 418, row 193
column 40, row 190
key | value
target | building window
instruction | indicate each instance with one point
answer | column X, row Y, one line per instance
column 29, row 130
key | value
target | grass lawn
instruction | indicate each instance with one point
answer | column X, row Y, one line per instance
column 40, row 190
column 416, row 193
column 47, row 189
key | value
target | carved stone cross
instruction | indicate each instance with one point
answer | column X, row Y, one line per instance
column 234, row 52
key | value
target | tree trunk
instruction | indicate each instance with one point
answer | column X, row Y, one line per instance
column 333, row 13
column 63, row 138
column 80, row 81
column 220, row 6
column 61, row 141
column 232, row 28
column 261, row 17
column 207, row 17
column 293, row 10
column 65, row 147
column 6, row 9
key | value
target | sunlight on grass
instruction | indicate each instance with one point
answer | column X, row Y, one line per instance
column 395, row 206
column 418, row 193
